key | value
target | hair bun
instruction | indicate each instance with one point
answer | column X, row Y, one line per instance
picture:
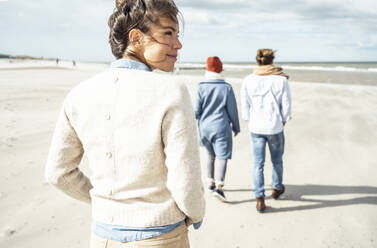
column 265, row 56
column 119, row 3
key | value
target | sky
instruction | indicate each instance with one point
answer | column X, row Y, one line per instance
column 300, row 30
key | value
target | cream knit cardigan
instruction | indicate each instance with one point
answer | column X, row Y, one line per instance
column 138, row 132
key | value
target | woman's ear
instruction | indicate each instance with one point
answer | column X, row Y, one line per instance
column 135, row 37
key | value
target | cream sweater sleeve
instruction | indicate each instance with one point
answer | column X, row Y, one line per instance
column 182, row 155
column 64, row 157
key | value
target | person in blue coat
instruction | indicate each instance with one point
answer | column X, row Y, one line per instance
column 217, row 115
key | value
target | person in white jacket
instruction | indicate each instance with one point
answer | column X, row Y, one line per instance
column 138, row 131
column 266, row 105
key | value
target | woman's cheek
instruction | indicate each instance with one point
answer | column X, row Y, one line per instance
column 155, row 53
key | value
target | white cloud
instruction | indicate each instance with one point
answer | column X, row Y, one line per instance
column 195, row 17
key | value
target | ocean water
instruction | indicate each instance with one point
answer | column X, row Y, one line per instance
column 362, row 73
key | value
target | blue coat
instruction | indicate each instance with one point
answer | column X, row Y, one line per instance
column 217, row 115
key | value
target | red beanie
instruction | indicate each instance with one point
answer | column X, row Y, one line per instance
column 214, row 64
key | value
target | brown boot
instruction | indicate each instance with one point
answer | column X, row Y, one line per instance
column 260, row 204
column 277, row 192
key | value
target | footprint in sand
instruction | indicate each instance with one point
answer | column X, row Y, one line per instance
column 9, row 107
column 8, row 142
column 11, row 139
column 8, row 232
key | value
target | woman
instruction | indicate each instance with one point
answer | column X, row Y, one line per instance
column 266, row 104
column 217, row 115
column 138, row 131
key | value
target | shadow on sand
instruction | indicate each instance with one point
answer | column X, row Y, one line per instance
column 302, row 193
column 229, row 191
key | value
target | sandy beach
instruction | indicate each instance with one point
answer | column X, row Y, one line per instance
column 330, row 169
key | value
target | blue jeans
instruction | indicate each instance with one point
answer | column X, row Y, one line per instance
column 276, row 145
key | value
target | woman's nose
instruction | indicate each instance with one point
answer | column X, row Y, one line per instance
column 177, row 44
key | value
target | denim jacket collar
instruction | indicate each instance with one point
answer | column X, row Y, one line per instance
column 213, row 81
column 129, row 64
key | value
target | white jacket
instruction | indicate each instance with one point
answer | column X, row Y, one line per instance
column 266, row 103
